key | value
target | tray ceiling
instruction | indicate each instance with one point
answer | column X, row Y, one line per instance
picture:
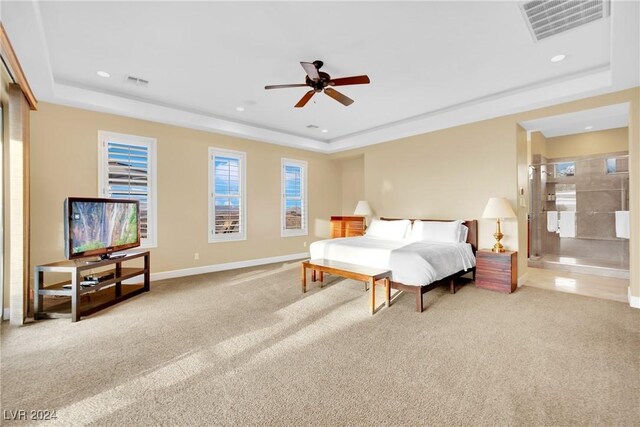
column 431, row 64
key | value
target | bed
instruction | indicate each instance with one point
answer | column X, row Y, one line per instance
column 417, row 266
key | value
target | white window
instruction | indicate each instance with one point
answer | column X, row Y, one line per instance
column 127, row 170
column 294, row 198
column 227, row 203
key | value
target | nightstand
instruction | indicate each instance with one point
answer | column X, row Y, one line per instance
column 496, row 271
column 347, row 226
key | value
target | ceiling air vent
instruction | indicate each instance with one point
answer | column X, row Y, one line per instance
column 549, row 17
column 312, row 127
column 137, row 81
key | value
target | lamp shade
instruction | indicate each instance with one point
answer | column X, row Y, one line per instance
column 498, row 207
column 363, row 209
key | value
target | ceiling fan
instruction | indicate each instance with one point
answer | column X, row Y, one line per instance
column 319, row 81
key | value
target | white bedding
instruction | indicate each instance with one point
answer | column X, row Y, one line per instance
column 415, row 264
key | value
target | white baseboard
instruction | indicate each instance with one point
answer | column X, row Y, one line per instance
column 207, row 269
column 522, row 279
column 226, row 266
column 633, row 301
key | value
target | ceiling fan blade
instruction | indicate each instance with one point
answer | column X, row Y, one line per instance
column 354, row 80
column 311, row 70
column 303, row 101
column 343, row 99
column 281, row 86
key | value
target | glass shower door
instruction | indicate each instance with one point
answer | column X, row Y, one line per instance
column 575, row 210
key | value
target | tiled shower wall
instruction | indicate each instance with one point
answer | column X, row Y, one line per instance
column 598, row 195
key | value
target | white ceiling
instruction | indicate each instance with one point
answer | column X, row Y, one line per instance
column 432, row 64
column 593, row 120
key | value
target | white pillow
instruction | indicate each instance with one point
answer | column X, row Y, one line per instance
column 464, row 232
column 436, row 231
column 390, row 230
column 415, row 234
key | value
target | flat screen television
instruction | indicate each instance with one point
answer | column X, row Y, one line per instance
column 98, row 227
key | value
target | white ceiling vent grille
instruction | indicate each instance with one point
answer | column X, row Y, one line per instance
column 549, row 17
column 136, row 81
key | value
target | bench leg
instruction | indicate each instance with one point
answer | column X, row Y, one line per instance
column 313, row 275
column 303, row 278
column 372, row 284
column 387, row 289
column 418, row 301
column 321, row 277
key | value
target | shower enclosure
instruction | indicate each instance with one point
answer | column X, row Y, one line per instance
column 578, row 214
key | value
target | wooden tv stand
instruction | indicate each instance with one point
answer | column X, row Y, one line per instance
column 78, row 269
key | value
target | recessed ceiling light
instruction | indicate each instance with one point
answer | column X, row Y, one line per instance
column 588, row 128
column 558, row 58
column 103, row 74
column 239, row 108
column 324, row 130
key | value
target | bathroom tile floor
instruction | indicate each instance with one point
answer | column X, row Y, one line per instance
column 576, row 283
column 589, row 266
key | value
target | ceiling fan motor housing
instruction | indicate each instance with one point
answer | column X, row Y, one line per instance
column 319, row 85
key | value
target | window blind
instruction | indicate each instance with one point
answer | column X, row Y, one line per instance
column 128, row 177
column 294, row 206
column 227, row 220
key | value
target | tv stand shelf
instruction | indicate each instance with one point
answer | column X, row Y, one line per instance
column 78, row 269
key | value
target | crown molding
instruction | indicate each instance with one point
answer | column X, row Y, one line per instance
column 78, row 97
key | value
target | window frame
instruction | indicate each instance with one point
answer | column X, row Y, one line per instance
column 304, row 231
column 242, row 156
column 151, row 241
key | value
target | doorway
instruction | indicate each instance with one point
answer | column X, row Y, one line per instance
column 576, row 209
column 578, row 206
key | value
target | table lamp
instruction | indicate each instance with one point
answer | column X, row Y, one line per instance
column 498, row 208
column 363, row 209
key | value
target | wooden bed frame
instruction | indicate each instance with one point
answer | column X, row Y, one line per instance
column 419, row 290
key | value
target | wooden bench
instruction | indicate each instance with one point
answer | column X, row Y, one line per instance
column 350, row 271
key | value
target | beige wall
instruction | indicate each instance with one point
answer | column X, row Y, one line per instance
column 522, row 198
column 352, row 183
column 538, row 144
column 634, row 196
column 589, row 143
column 64, row 163
column 451, row 173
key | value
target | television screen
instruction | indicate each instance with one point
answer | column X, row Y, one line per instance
column 100, row 226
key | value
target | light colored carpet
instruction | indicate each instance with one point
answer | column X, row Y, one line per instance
column 246, row 347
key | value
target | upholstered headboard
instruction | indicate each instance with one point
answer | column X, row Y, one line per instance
column 472, row 225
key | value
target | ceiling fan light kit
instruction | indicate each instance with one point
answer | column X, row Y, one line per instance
column 320, row 81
